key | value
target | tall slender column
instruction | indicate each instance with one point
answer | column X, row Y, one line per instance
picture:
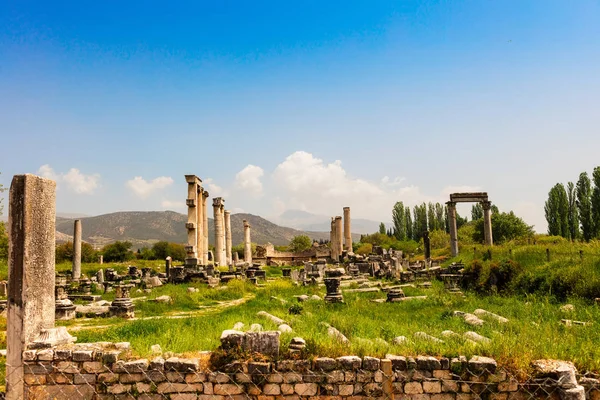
column 192, row 221
column 205, row 232
column 31, row 301
column 247, row 243
column 227, row 216
column 487, row 223
column 200, row 226
column 76, row 272
column 333, row 241
column 453, row 231
column 347, row 232
column 219, row 230
column 339, row 241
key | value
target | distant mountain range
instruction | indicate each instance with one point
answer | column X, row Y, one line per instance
column 306, row 221
column 146, row 228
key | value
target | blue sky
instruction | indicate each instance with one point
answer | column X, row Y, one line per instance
column 300, row 105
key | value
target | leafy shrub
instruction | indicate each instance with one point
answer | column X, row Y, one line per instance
column 164, row 249
column 364, row 249
column 118, row 252
column 64, row 252
column 3, row 242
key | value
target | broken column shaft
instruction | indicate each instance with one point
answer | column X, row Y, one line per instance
column 227, row 219
column 347, row 232
column 247, row 243
column 76, row 271
column 218, row 208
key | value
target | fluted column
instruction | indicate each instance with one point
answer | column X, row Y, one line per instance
column 205, row 232
column 200, row 226
column 333, row 241
column 247, row 243
column 487, row 223
column 76, row 272
column 227, row 216
column 339, row 241
column 453, row 230
column 347, row 231
column 218, row 204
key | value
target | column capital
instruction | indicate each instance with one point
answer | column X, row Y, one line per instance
column 193, row 179
column 218, row 202
column 227, row 212
column 451, row 204
column 205, row 193
column 486, row 205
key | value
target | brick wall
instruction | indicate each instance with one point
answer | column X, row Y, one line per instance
column 105, row 371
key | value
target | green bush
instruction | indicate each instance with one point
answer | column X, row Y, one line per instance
column 3, row 242
column 300, row 243
column 64, row 252
column 118, row 252
column 164, row 249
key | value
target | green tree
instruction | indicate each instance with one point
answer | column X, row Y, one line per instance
column 118, row 252
column 573, row 213
column 596, row 203
column 556, row 210
column 2, row 189
column 431, row 221
column 164, row 249
column 476, row 212
column 584, row 205
column 399, row 220
column 409, row 223
column 420, row 221
column 300, row 243
column 439, row 217
column 64, row 253
column 3, row 242
column 382, row 229
column 505, row 227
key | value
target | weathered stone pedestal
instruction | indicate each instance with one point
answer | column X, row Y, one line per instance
column 332, row 284
column 133, row 272
column 122, row 306
column 177, row 274
column 64, row 308
column 287, row 272
column 395, row 295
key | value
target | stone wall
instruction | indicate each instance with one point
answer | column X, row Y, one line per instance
column 103, row 371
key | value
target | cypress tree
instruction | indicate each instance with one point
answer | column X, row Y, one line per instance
column 584, row 205
column 573, row 216
column 399, row 220
column 596, row 203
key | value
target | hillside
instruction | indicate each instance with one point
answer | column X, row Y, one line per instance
column 145, row 228
column 305, row 221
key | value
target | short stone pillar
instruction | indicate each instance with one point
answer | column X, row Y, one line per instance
column 65, row 309
column 395, row 295
column 227, row 219
column 31, row 303
column 100, row 259
column 333, row 278
column 76, row 271
column 218, row 215
column 487, row 223
column 100, row 276
column 453, row 230
column 3, row 289
column 168, row 262
column 287, row 272
column 347, row 232
column 133, row 271
column 236, row 257
column 122, row 306
column 247, row 243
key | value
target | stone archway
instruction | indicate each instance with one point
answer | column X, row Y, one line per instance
column 476, row 197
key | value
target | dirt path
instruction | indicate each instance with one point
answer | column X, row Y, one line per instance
column 204, row 310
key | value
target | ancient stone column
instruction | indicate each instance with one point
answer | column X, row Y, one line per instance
column 200, row 226
column 192, row 221
column 227, row 217
column 168, row 262
column 335, row 256
column 76, row 271
column 487, row 223
column 247, row 243
column 453, row 230
column 339, row 234
column 31, row 302
column 205, row 223
column 347, row 232
column 218, row 204
column 427, row 246
column 101, row 259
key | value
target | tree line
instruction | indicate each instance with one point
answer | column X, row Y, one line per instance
column 573, row 212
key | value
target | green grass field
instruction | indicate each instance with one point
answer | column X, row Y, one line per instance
column 194, row 321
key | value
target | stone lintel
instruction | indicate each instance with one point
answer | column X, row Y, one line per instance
column 193, row 179
column 469, row 197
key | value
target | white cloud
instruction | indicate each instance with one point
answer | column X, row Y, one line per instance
column 213, row 189
column 396, row 182
column 248, row 180
column 143, row 188
column 73, row 179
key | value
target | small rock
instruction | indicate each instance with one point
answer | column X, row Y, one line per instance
column 567, row 308
column 476, row 337
column 400, row 340
column 429, row 338
column 238, row 326
column 284, row 328
column 164, row 299
column 256, row 328
column 156, row 349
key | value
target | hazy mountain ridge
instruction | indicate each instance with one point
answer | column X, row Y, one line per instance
column 143, row 228
column 306, row 221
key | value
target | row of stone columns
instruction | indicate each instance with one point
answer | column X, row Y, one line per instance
column 340, row 238
column 197, row 222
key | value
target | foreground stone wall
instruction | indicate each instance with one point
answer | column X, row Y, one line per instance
column 98, row 371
